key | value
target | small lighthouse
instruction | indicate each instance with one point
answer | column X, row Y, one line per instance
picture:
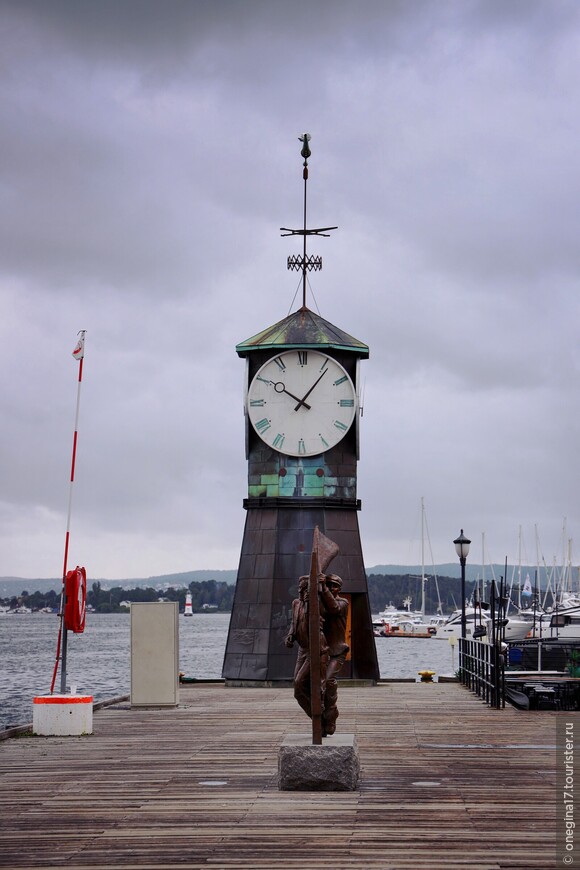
column 188, row 611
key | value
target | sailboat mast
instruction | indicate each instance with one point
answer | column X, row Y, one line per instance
column 563, row 583
column 422, row 557
column 538, row 590
column 483, row 566
column 520, row 568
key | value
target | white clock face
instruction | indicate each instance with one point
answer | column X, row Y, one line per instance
column 301, row 402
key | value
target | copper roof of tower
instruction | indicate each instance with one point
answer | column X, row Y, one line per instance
column 303, row 328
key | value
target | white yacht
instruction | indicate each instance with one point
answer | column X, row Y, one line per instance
column 562, row 623
column 392, row 614
column 474, row 622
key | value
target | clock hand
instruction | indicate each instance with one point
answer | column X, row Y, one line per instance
column 292, row 396
column 303, row 400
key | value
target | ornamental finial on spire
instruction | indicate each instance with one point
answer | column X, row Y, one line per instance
column 305, row 152
column 305, row 263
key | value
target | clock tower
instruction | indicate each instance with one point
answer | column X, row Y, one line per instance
column 302, row 424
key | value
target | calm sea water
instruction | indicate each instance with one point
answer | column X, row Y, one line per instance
column 98, row 661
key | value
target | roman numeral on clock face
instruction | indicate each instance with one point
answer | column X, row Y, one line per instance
column 340, row 426
column 280, row 363
column 262, row 425
column 302, row 357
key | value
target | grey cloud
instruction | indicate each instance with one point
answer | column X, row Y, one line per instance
column 150, row 155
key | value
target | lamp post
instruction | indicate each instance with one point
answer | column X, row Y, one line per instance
column 462, row 549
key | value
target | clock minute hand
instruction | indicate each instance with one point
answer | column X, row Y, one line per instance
column 284, row 390
column 303, row 400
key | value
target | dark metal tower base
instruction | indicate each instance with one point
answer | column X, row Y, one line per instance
column 275, row 553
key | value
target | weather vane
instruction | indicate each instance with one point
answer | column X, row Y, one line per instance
column 305, row 263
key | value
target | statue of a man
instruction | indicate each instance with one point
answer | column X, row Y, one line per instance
column 333, row 646
column 299, row 633
column 335, row 611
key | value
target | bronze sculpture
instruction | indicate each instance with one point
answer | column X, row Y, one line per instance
column 334, row 628
column 299, row 633
column 319, row 618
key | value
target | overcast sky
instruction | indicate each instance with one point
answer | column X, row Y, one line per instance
column 149, row 156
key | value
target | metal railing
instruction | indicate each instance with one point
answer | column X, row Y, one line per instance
column 482, row 670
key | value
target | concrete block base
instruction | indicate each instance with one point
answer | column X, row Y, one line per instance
column 333, row 766
column 62, row 715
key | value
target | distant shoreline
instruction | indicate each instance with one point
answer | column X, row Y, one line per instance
column 14, row 585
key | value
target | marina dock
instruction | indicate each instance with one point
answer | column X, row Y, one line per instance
column 446, row 783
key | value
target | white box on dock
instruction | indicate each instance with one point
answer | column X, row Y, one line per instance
column 62, row 715
column 154, row 654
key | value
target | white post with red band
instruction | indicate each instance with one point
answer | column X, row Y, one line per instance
column 62, row 715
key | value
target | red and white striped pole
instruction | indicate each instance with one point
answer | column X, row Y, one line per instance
column 79, row 354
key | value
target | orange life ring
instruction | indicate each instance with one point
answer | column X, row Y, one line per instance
column 75, row 591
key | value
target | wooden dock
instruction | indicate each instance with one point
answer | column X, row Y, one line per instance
column 446, row 783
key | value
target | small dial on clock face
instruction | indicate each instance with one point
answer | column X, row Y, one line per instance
column 301, row 402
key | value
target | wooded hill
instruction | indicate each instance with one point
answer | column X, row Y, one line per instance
column 218, row 595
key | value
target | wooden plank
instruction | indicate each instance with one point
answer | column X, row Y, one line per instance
column 446, row 783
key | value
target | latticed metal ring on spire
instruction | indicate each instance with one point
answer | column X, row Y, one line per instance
column 311, row 263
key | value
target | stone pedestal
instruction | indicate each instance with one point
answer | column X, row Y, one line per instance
column 333, row 766
column 62, row 715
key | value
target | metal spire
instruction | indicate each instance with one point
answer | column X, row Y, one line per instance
column 305, row 263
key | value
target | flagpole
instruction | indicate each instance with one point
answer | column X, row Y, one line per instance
column 78, row 353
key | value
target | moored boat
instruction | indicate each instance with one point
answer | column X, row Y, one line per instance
column 393, row 614
column 403, row 627
column 452, row 627
column 411, row 628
